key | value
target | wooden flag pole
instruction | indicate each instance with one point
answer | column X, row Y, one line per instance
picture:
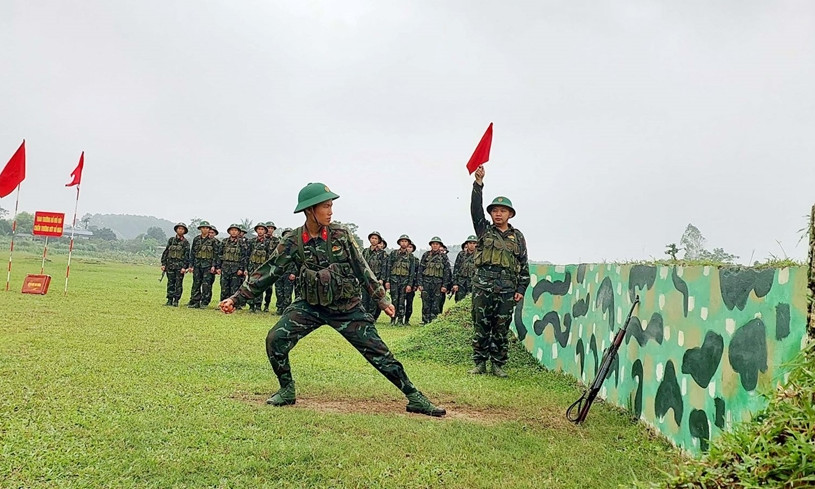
column 71, row 246
column 13, row 232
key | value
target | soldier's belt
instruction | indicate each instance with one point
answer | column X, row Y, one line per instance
column 500, row 274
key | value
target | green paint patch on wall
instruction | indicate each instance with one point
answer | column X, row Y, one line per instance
column 701, row 347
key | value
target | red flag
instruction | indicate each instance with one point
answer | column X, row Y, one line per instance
column 77, row 173
column 14, row 172
column 481, row 154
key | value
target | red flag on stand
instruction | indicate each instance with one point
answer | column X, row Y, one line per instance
column 14, row 172
column 77, row 173
column 482, row 152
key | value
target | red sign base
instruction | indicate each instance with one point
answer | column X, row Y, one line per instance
column 36, row 284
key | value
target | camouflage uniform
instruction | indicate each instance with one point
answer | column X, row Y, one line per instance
column 284, row 286
column 402, row 274
column 378, row 263
column 232, row 258
column 202, row 262
column 411, row 296
column 273, row 242
column 434, row 273
column 331, row 261
column 501, row 270
column 259, row 251
column 463, row 271
column 176, row 259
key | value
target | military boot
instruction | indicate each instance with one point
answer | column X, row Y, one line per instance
column 480, row 368
column 252, row 308
column 498, row 371
column 266, row 308
column 418, row 403
column 193, row 305
column 283, row 397
column 175, row 303
column 393, row 321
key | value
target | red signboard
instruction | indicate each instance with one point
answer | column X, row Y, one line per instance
column 36, row 284
column 48, row 223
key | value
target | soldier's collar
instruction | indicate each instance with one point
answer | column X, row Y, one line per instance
column 307, row 237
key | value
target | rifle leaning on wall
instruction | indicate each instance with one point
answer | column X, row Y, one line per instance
column 584, row 403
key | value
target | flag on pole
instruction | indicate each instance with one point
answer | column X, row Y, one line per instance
column 481, row 154
column 14, row 172
column 76, row 175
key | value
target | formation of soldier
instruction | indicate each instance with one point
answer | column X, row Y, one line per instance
column 233, row 259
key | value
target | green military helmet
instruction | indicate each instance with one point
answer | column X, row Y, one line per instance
column 502, row 201
column 204, row 224
column 436, row 239
column 233, row 225
column 470, row 239
column 313, row 194
column 375, row 233
column 260, row 225
column 214, row 229
column 181, row 225
column 270, row 224
column 405, row 236
column 384, row 244
column 286, row 232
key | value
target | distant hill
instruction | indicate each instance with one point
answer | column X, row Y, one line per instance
column 128, row 227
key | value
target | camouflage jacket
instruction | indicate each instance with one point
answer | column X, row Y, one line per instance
column 232, row 253
column 492, row 276
column 316, row 255
column 259, row 250
column 435, row 266
column 398, row 263
column 377, row 262
column 176, row 254
column 464, row 269
column 204, row 252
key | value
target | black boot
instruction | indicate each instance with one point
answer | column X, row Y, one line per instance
column 266, row 308
column 169, row 302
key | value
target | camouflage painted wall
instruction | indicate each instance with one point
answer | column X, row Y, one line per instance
column 700, row 347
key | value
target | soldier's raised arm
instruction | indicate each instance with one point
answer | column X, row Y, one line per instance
column 477, row 203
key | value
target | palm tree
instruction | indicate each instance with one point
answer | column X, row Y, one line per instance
column 194, row 222
column 246, row 223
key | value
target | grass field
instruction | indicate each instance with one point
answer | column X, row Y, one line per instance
column 107, row 387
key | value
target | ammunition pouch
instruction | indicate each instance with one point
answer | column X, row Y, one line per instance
column 176, row 252
column 499, row 252
column 205, row 252
column 232, row 252
column 328, row 286
column 257, row 257
column 401, row 267
column 434, row 268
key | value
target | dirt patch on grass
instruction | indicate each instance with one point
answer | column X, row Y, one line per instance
column 455, row 411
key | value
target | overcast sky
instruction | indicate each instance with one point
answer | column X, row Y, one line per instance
column 616, row 123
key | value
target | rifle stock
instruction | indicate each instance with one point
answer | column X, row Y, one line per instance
column 584, row 403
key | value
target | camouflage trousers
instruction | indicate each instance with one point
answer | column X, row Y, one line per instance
column 356, row 326
column 398, row 294
column 463, row 290
column 230, row 281
column 257, row 301
column 492, row 313
column 409, row 297
column 202, row 281
column 284, row 287
column 175, row 284
column 432, row 299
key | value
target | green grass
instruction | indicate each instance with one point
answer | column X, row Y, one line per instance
column 107, row 387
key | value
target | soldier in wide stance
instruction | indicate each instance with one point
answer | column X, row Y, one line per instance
column 501, row 278
column 330, row 271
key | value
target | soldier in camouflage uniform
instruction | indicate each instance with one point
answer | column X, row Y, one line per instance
column 259, row 252
column 401, row 277
column 501, row 278
column 464, row 268
column 378, row 263
column 330, row 271
column 273, row 242
column 202, row 266
column 434, row 276
column 174, row 261
column 232, row 261
column 284, row 286
column 411, row 296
